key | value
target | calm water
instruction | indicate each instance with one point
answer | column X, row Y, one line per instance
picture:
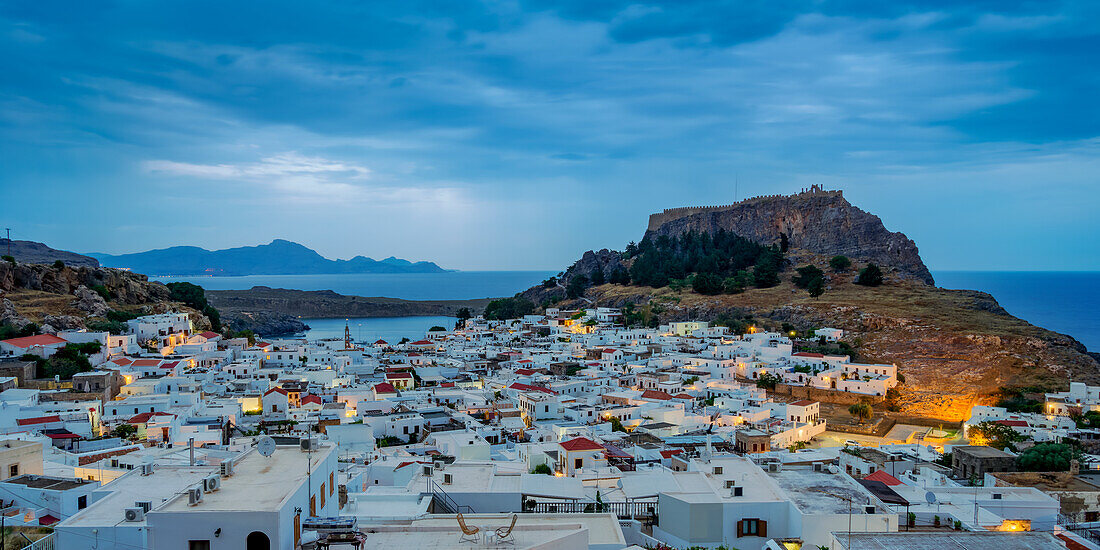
column 390, row 329
column 1066, row 302
column 455, row 285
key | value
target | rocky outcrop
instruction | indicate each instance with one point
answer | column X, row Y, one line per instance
column 53, row 323
column 326, row 303
column 37, row 253
column 10, row 316
column 124, row 287
column 90, row 302
column 818, row 221
column 264, row 323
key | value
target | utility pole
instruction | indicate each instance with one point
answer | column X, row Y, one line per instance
column 8, row 229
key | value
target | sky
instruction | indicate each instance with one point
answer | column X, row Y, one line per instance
column 516, row 135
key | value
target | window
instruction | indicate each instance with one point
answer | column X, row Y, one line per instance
column 198, row 545
column 322, row 495
column 82, row 502
column 331, row 483
column 13, row 470
column 577, row 463
column 752, row 528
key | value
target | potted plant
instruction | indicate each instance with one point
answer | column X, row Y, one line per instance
column 911, row 518
column 958, row 525
column 936, row 521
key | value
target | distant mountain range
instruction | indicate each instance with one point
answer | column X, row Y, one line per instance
column 280, row 257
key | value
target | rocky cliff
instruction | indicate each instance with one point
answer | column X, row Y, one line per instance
column 817, row 221
column 58, row 298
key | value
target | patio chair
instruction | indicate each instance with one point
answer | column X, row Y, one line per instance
column 469, row 534
column 504, row 534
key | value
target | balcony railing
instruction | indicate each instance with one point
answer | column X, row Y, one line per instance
column 630, row 509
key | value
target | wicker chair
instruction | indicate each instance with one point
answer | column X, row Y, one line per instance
column 504, row 534
column 469, row 534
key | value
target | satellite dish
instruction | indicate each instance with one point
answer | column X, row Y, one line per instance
column 266, row 446
column 930, row 497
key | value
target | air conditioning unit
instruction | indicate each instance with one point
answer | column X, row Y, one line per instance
column 134, row 514
column 774, row 467
column 226, row 469
column 869, row 509
column 439, row 464
column 145, row 505
column 146, row 469
column 447, row 478
column 194, row 496
column 309, row 444
column 211, row 484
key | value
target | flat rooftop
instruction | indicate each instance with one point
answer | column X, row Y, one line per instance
column 49, row 483
column 260, row 483
column 822, row 492
column 964, row 540
column 532, row 530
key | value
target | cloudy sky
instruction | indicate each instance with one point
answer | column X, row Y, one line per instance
column 517, row 134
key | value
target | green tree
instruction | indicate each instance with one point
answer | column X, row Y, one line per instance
column 508, row 308
column 58, row 264
column 542, row 469
column 870, row 276
column 996, row 435
column 767, row 381
column 619, row 276
column 806, row 275
column 816, row 287
column 597, row 277
column 707, row 283
column 862, row 411
column 840, row 263
column 576, row 287
column 767, row 268
column 124, row 431
column 102, row 291
column 9, row 259
column 617, row 425
column 1047, row 457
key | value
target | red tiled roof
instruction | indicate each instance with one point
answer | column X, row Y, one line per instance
column 656, row 394
column 806, row 354
column 146, row 362
column 683, row 396
column 122, row 361
column 399, row 375
column 528, row 387
column 884, row 477
column 381, row 341
column 581, row 444
column 669, row 453
column 62, row 435
column 1013, row 423
column 803, row 403
column 31, row 341
column 1070, row 543
column 312, row 399
column 144, row 417
column 447, row 385
column 384, row 387
column 525, row 372
column 423, row 343
column 209, row 334
column 279, row 390
column 262, row 344
column 38, row 420
column 610, row 350
column 47, row 520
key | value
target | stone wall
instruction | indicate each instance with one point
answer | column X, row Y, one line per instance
column 827, row 396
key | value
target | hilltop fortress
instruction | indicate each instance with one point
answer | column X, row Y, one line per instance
column 816, row 220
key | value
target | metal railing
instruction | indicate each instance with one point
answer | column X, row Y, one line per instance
column 44, row 543
column 444, row 501
column 629, row 509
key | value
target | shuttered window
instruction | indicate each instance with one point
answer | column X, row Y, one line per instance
column 752, row 528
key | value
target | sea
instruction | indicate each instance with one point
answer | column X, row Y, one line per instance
column 1063, row 301
column 1066, row 302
